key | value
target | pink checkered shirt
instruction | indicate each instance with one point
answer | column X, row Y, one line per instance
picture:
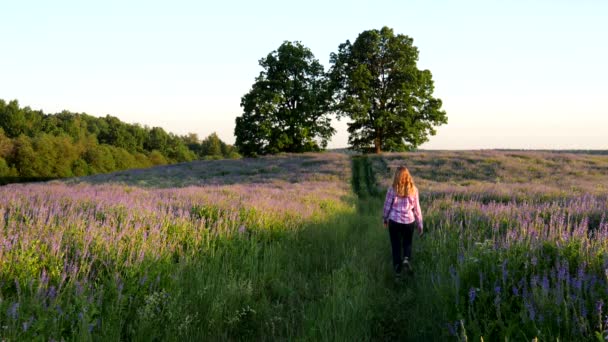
column 405, row 209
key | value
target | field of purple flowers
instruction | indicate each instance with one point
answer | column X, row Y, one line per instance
column 100, row 256
column 516, row 244
column 291, row 247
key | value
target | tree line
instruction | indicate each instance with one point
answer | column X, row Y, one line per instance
column 38, row 145
column 374, row 82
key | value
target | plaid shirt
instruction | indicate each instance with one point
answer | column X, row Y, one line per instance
column 405, row 209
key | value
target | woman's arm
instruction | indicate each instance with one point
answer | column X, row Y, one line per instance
column 387, row 203
column 418, row 213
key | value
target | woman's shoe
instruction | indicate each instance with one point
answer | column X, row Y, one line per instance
column 407, row 265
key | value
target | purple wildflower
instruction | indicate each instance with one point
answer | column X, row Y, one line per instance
column 453, row 272
column 472, row 295
column 26, row 325
column 79, row 289
column 452, row 328
column 44, row 278
column 13, row 311
column 497, row 291
column 562, row 271
column 505, row 272
column 531, row 311
column 584, row 310
column 545, row 284
column 52, row 292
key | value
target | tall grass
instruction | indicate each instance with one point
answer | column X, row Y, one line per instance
column 297, row 251
column 507, row 259
column 283, row 257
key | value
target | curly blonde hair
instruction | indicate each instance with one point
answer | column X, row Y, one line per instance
column 403, row 184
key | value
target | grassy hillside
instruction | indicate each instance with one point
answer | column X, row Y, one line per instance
column 292, row 247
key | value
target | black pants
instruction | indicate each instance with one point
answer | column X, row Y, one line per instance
column 401, row 241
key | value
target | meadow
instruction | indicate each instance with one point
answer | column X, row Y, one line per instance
column 516, row 246
column 291, row 247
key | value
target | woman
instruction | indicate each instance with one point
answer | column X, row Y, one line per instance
column 402, row 215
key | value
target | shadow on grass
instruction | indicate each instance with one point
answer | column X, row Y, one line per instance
column 327, row 281
column 11, row 180
column 322, row 283
column 290, row 168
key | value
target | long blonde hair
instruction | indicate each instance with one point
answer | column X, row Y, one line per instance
column 403, row 184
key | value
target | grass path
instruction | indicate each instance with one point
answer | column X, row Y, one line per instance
column 399, row 312
column 411, row 310
column 330, row 281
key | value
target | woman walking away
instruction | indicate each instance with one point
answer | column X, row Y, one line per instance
column 402, row 215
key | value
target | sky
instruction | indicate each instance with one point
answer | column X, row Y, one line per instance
column 511, row 74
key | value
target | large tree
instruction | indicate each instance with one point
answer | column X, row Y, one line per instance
column 380, row 88
column 287, row 109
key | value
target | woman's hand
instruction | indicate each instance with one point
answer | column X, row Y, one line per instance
column 385, row 223
column 420, row 231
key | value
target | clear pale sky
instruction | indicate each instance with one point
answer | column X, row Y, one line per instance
column 511, row 74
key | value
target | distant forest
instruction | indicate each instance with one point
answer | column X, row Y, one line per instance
column 34, row 145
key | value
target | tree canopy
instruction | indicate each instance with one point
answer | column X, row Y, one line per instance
column 34, row 145
column 287, row 109
column 378, row 86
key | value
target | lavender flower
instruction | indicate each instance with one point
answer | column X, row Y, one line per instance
column 453, row 272
column 26, row 325
column 545, row 284
column 13, row 311
column 472, row 294
column 531, row 310
column 52, row 292
column 143, row 279
column 584, row 311
column 453, row 328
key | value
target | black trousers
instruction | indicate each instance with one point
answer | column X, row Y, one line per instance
column 401, row 241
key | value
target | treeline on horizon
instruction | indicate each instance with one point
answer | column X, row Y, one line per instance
column 35, row 145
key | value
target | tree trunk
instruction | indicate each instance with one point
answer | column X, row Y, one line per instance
column 377, row 145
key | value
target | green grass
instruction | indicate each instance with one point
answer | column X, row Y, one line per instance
column 328, row 277
column 329, row 281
